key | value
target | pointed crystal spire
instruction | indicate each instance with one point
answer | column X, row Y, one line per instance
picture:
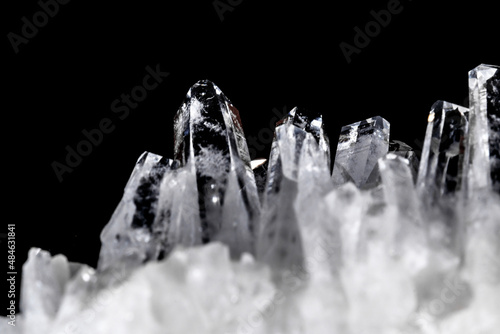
column 209, row 139
column 360, row 146
column 279, row 240
column 483, row 151
column 129, row 237
column 440, row 170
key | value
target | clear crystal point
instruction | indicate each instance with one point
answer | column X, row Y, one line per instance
column 44, row 282
column 483, row 151
column 129, row 237
column 441, row 163
column 360, row 146
column 279, row 241
column 209, row 135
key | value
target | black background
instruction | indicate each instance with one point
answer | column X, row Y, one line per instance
column 262, row 55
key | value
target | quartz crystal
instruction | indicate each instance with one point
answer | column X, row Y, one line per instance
column 131, row 236
column 360, row 146
column 483, row 150
column 279, row 242
column 442, row 158
column 209, row 140
column 210, row 242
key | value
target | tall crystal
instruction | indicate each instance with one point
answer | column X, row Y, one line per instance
column 483, row 156
column 209, row 135
column 130, row 238
column 279, row 241
column 441, row 163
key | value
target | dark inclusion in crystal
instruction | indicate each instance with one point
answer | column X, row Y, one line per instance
column 147, row 192
column 131, row 235
column 209, row 136
column 493, row 108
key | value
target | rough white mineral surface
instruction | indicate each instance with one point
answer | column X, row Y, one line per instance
column 192, row 249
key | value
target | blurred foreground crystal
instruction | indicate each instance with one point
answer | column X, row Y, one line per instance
column 213, row 243
column 210, row 142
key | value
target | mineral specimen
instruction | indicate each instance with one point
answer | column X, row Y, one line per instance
column 209, row 139
column 213, row 243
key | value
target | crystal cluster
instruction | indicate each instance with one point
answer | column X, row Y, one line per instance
column 210, row 242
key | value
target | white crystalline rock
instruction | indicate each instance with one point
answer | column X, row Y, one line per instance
column 197, row 290
column 380, row 293
column 482, row 271
column 44, row 282
column 351, row 281
column 371, row 289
